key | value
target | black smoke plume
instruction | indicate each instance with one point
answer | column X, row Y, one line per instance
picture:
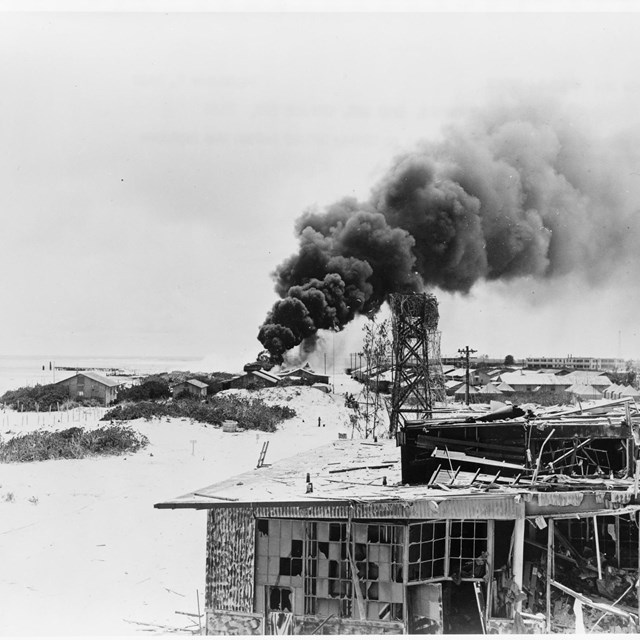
column 516, row 192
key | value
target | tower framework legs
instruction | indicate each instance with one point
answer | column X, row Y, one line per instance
column 417, row 370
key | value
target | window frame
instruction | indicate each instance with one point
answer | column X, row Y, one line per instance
column 458, row 560
column 317, row 551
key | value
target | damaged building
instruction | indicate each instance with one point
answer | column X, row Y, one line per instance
column 313, row 544
column 510, row 522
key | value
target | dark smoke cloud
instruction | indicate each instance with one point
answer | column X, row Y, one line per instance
column 518, row 191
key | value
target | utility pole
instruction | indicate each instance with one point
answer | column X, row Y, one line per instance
column 466, row 352
column 333, row 355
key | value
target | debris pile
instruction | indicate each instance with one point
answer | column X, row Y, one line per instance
column 547, row 449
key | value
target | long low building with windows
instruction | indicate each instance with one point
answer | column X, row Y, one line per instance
column 576, row 362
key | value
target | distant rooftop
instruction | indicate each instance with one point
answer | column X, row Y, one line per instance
column 93, row 375
column 197, row 383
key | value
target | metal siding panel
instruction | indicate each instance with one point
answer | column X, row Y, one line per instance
column 467, row 508
column 493, row 508
column 336, row 511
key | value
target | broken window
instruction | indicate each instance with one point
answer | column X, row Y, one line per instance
column 337, row 569
column 290, row 566
column 280, row 599
column 310, row 568
column 627, row 539
column 617, row 540
column 377, row 551
column 585, row 455
column 280, row 551
column 427, row 550
column 440, row 549
column 467, row 548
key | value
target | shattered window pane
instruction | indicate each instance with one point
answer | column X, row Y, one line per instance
column 427, row 550
column 468, row 549
column 315, row 559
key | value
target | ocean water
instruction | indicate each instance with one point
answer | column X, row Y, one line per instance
column 21, row 371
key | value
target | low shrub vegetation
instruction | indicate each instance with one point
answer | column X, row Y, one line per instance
column 40, row 397
column 135, row 410
column 70, row 443
column 249, row 413
column 151, row 388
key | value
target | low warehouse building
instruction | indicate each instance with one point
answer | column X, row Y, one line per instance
column 528, row 381
column 303, row 375
column 89, row 385
column 253, row 379
column 193, row 387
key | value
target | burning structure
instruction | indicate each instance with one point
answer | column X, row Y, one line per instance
column 507, row 522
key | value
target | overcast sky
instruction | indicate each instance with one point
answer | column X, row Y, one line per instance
column 153, row 165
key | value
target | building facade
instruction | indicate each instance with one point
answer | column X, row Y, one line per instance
column 89, row 385
column 194, row 387
column 576, row 362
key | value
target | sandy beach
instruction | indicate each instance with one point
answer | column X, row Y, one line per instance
column 85, row 552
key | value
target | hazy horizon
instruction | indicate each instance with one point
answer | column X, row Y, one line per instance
column 155, row 164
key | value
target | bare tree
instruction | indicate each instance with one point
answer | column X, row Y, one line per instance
column 377, row 356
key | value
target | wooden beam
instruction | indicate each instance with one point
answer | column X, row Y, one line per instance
column 369, row 466
column 362, row 611
column 405, row 578
column 455, row 475
column 461, row 457
column 539, row 460
column 597, row 537
column 447, row 555
column 518, row 556
column 434, row 475
column 429, row 440
column 550, row 568
column 617, row 530
column 601, row 606
column 557, row 555
column 313, row 633
column 573, row 450
column 481, row 606
column 569, row 545
column 489, row 574
column 206, row 495
column 610, row 403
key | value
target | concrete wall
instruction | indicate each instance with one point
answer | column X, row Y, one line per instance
column 497, row 626
column 232, row 623
column 306, row 625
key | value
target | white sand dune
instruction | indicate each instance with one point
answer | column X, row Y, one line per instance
column 83, row 549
